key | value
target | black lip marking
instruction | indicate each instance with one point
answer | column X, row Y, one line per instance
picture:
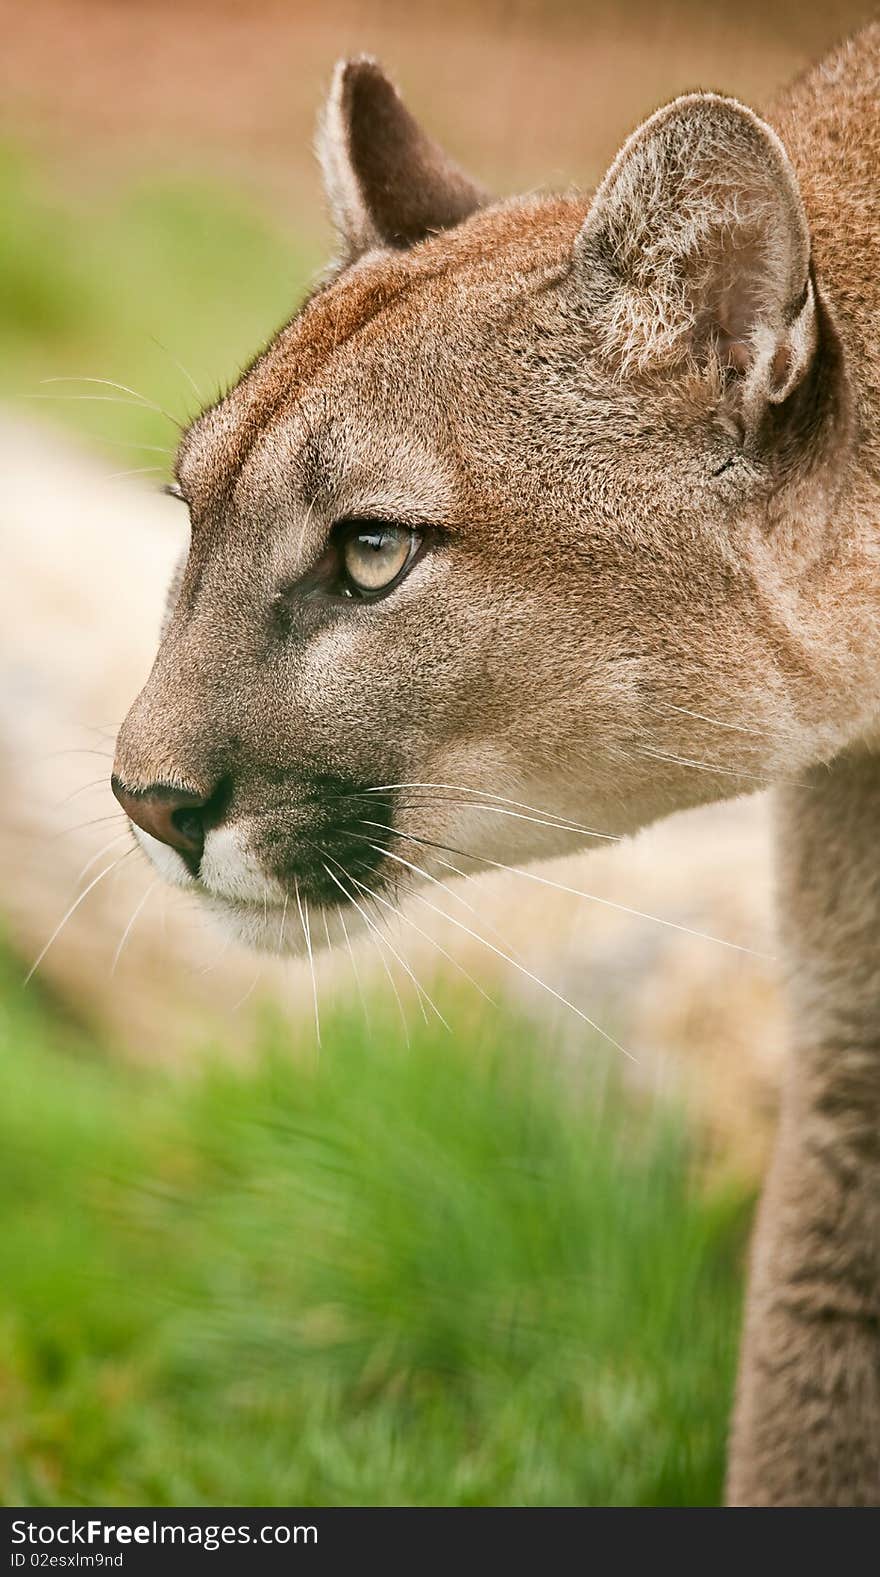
column 339, row 842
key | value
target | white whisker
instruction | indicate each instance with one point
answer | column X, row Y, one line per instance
column 79, row 750
column 563, row 823
column 423, row 995
column 99, row 856
column 222, row 950
column 307, row 934
column 380, row 942
column 545, row 986
column 126, row 443
column 137, row 470
column 608, row 903
column 376, row 940
column 407, row 920
column 240, row 1002
column 622, row 908
column 83, row 788
column 556, row 825
column 72, row 911
column 656, row 754
column 128, row 929
column 717, row 722
column 100, row 399
column 123, row 388
column 354, row 968
column 419, row 870
column 81, row 826
column 184, row 372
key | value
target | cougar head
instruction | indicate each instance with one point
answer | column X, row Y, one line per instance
column 495, row 548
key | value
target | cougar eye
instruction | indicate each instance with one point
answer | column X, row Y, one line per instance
column 375, row 555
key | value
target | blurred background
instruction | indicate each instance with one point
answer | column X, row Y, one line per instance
column 498, row 1263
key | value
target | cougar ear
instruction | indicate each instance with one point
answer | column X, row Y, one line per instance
column 387, row 182
column 696, row 244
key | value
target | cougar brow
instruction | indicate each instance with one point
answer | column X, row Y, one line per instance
column 336, row 313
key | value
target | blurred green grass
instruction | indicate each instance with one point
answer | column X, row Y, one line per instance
column 454, row 1273
column 156, row 285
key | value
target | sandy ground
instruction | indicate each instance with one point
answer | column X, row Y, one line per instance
column 88, row 558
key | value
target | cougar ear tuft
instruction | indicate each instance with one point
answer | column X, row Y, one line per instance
column 388, row 183
column 696, row 245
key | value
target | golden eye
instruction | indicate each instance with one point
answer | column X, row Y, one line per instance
column 374, row 555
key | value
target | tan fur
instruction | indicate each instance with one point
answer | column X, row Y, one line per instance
column 638, row 436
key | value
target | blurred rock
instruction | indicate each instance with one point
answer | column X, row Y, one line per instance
column 87, row 559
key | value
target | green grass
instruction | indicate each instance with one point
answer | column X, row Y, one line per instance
column 455, row 1273
column 136, row 286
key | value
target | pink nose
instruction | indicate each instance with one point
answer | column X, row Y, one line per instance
column 169, row 814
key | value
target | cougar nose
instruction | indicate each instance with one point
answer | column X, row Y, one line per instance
column 172, row 815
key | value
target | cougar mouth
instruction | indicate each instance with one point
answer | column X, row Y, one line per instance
column 324, row 850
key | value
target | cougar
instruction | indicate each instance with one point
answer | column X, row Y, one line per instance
column 540, row 520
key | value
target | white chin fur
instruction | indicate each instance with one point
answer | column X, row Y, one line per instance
column 166, row 861
column 230, row 871
column 279, row 928
column 265, row 930
column 252, row 907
